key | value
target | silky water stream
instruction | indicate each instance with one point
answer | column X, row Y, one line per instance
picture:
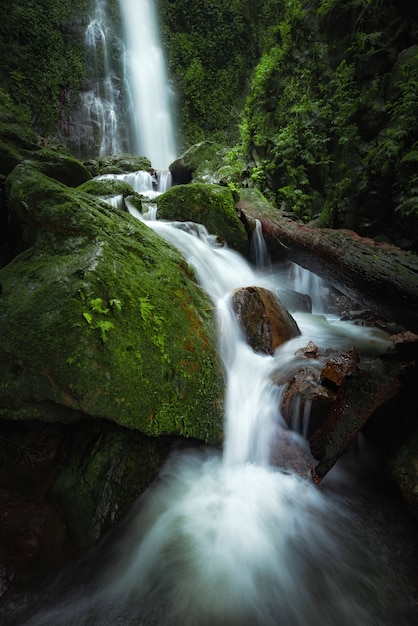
column 226, row 538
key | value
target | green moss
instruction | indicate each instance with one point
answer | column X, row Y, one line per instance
column 102, row 469
column 65, row 341
column 207, row 204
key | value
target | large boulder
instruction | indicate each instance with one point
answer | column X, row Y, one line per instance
column 184, row 168
column 101, row 317
column 210, row 205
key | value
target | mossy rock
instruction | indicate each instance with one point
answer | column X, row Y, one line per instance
column 15, row 146
column 62, row 167
column 101, row 317
column 210, row 205
column 118, row 164
column 107, row 187
column 110, row 188
column 196, row 159
column 101, row 470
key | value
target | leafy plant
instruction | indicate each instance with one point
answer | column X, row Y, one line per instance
column 97, row 310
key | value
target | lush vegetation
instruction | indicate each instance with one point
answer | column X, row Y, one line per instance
column 212, row 49
column 41, row 56
column 315, row 98
column 330, row 123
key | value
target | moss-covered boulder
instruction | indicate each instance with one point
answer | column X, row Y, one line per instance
column 199, row 155
column 118, row 164
column 101, row 317
column 60, row 166
column 210, row 205
column 114, row 191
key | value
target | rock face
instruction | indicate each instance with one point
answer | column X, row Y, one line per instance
column 106, row 343
column 100, row 317
column 210, row 205
column 265, row 322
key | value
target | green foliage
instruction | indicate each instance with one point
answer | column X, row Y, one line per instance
column 326, row 128
column 211, row 48
column 41, row 54
column 98, row 309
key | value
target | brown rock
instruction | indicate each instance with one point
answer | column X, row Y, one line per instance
column 360, row 395
column 338, row 367
column 304, row 394
column 265, row 322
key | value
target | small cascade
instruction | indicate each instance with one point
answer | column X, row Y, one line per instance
column 259, row 253
column 146, row 183
column 306, row 282
column 147, row 84
column 100, row 103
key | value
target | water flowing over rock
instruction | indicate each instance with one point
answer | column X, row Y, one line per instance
column 265, row 322
column 114, row 325
column 210, row 205
column 381, row 277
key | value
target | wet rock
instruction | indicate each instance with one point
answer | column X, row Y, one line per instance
column 266, row 323
column 184, row 168
column 338, row 367
column 64, row 486
column 118, row 164
column 405, row 346
column 289, row 453
column 368, row 388
column 404, row 470
column 207, row 204
column 305, row 402
column 108, row 322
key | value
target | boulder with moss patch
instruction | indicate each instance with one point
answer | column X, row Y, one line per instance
column 101, row 317
column 210, row 205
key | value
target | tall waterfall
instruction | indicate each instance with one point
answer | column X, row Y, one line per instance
column 101, row 102
column 147, row 84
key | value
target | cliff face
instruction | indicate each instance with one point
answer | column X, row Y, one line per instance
column 330, row 123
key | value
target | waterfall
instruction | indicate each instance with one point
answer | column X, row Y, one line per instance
column 147, row 84
column 226, row 538
column 100, row 103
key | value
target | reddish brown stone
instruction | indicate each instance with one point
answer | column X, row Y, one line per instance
column 265, row 322
column 361, row 394
column 305, row 390
column 338, row 367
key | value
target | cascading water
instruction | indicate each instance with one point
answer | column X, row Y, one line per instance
column 100, row 103
column 227, row 539
column 147, row 84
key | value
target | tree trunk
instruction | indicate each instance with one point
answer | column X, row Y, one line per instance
column 380, row 277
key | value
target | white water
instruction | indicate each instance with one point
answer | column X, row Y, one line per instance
column 100, row 104
column 147, row 84
column 227, row 539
